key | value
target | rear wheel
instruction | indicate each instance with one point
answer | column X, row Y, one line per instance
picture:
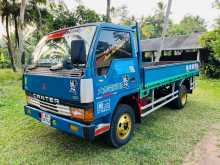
column 122, row 126
column 181, row 100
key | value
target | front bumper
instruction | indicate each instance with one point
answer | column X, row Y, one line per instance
column 66, row 125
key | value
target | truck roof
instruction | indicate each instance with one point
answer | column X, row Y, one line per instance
column 100, row 24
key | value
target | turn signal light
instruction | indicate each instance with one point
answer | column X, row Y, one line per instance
column 82, row 114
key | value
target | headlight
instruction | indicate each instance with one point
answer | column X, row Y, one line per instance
column 82, row 114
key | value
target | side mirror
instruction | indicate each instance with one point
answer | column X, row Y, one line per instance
column 78, row 52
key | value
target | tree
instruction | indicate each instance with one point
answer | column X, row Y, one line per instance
column 147, row 30
column 21, row 29
column 211, row 40
column 9, row 12
column 217, row 4
column 62, row 17
column 164, row 30
column 153, row 25
column 189, row 24
column 108, row 11
column 38, row 14
column 15, row 17
column 84, row 15
column 158, row 19
column 120, row 13
column 217, row 21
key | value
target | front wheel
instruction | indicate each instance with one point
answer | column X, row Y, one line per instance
column 122, row 126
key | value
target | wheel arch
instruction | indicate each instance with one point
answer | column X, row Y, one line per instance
column 186, row 83
column 132, row 101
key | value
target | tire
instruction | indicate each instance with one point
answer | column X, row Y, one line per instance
column 181, row 100
column 122, row 126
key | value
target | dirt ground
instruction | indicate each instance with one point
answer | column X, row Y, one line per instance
column 207, row 151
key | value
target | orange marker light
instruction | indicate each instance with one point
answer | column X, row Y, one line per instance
column 82, row 114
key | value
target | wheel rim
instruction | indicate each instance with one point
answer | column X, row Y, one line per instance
column 124, row 126
column 184, row 98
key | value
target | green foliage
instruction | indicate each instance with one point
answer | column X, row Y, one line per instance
column 55, row 17
column 84, row 15
column 10, row 17
column 217, row 20
column 216, row 4
column 7, row 76
column 211, row 71
column 147, row 30
column 4, row 60
column 189, row 24
column 151, row 26
column 38, row 17
column 62, row 18
column 211, row 40
column 65, row 18
column 34, row 15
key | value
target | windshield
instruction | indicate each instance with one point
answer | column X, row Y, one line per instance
column 55, row 48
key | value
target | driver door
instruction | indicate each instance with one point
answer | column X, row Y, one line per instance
column 116, row 72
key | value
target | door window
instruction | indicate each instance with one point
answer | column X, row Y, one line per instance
column 111, row 45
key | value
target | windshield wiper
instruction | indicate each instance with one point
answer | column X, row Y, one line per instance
column 56, row 67
column 79, row 66
column 30, row 67
column 66, row 64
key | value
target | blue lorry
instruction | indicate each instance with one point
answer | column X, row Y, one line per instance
column 90, row 80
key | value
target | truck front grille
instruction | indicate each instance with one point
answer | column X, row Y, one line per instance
column 45, row 106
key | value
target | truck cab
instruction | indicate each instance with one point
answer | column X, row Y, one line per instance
column 88, row 80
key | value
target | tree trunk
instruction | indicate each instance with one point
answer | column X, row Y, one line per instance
column 9, row 45
column 164, row 31
column 20, row 32
column 39, row 24
column 108, row 10
column 16, row 32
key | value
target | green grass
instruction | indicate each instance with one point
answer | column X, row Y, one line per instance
column 164, row 137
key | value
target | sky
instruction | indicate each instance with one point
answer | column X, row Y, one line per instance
column 203, row 8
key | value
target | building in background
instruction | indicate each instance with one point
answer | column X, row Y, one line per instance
column 178, row 48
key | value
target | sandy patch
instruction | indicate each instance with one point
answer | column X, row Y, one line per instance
column 207, row 151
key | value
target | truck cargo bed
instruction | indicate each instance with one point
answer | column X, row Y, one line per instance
column 164, row 72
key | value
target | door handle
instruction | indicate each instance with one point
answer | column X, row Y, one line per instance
column 132, row 79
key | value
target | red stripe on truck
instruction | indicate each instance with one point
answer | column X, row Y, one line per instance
column 102, row 129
